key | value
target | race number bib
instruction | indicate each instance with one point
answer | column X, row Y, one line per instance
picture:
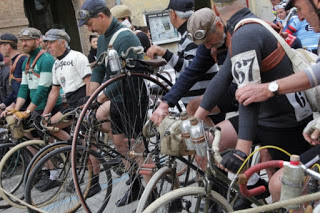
column 300, row 104
column 245, row 68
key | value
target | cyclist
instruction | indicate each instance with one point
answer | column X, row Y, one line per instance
column 212, row 50
column 97, row 16
column 9, row 48
column 179, row 13
column 300, row 81
column 70, row 71
column 36, row 77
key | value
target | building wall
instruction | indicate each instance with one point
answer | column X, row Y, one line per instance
column 13, row 19
column 12, row 16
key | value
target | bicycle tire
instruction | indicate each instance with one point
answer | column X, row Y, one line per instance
column 131, row 132
column 6, row 157
column 42, row 152
column 188, row 191
column 4, row 148
column 62, row 198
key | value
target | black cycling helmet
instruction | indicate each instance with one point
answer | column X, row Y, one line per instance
column 290, row 5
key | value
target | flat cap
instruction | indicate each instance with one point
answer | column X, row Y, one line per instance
column 120, row 11
column 29, row 33
column 181, row 5
column 200, row 22
column 89, row 9
column 8, row 38
column 55, row 34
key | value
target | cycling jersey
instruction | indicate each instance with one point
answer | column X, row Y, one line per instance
column 244, row 67
column 304, row 31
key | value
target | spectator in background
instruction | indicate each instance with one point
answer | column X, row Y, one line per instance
column 285, row 18
column 93, row 50
column 4, row 79
column 300, row 28
column 123, row 14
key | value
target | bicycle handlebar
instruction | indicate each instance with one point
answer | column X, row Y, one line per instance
column 215, row 144
column 243, row 178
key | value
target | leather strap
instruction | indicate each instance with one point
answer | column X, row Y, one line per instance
column 13, row 67
column 274, row 58
column 28, row 68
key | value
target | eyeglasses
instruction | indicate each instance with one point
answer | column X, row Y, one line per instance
column 201, row 34
column 86, row 15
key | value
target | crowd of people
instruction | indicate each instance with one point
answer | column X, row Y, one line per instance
column 219, row 70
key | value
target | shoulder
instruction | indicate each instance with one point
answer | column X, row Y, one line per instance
column 77, row 54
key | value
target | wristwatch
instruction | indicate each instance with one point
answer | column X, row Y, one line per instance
column 28, row 111
column 274, row 88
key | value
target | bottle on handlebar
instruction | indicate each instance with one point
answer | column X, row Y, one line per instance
column 185, row 130
column 292, row 181
column 113, row 60
column 197, row 136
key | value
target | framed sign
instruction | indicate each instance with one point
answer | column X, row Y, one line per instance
column 161, row 29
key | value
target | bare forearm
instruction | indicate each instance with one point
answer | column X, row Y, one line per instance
column 93, row 87
column 19, row 103
column 294, row 83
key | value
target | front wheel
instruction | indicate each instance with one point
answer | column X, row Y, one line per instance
column 189, row 199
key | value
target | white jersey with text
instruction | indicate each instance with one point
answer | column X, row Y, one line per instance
column 70, row 71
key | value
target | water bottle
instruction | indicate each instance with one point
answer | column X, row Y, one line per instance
column 292, row 181
column 114, row 60
column 197, row 137
column 185, row 130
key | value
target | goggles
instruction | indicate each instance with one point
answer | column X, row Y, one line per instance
column 201, row 34
column 27, row 34
column 86, row 15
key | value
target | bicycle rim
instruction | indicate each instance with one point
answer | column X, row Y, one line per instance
column 144, row 105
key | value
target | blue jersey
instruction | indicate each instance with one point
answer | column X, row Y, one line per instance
column 304, row 31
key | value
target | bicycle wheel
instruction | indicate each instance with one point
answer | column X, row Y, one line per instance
column 61, row 196
column 132, row 108
column 188, row 199
column 42, row 152
column 12, row 170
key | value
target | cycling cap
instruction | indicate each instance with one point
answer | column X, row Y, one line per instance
column 281, row 5
column 8, row 38
column 181, row 5
column 29, row 33
column 199, row 24
column 121, row 11
column 55, row 34
column 89, row 9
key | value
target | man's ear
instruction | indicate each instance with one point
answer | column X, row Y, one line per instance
column 173, row 14
column 318, row 4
